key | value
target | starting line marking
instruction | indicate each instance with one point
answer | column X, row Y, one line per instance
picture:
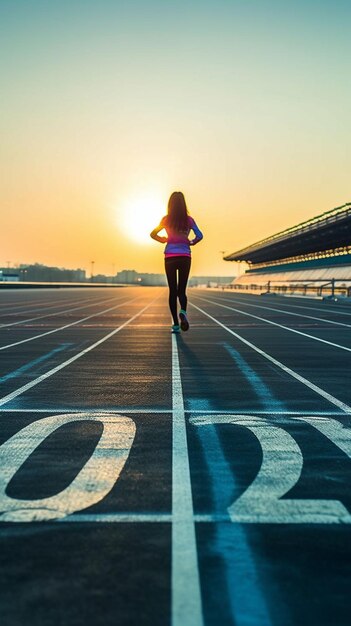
column 122, row 518
column 129, row 518
column 318, row 414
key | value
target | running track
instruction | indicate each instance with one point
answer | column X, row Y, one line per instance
column 198, row 480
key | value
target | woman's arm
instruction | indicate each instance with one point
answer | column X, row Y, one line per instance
column 198, row 234
column 154, row 233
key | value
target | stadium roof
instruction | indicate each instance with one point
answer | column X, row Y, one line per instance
column 328, row 231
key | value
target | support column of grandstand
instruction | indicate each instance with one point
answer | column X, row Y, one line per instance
column 313, row 257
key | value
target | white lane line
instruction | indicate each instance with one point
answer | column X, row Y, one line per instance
column 186, row 593
column 291, row 330
column 56, row 369
column 39, row 317
column 324, row 394
column 269, row 308
column 132, row 518
column 123, row 518
column 319, row 415
column 102, row 411
column 251, row 419
column 56, row 330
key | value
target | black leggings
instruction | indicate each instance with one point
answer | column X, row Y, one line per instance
column 177, row 284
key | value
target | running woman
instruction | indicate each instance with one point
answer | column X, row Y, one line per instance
column 177, row 224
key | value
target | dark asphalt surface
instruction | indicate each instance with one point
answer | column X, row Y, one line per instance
column 268, row 424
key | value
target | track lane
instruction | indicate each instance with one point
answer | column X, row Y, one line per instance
column 54, row 314
column 60, row 328
column 226, row 458
column 340, row 346
column 324, row 366
column 279, row 310
column 105, row 564
column 30, row 298
column 130, row 371
column 310, row 304
column 64, row 300
column 4, row 399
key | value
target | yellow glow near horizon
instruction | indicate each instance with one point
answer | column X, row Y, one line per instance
column 105, row 112
column 141, row 214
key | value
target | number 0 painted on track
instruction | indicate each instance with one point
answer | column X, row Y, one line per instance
column 94, row 481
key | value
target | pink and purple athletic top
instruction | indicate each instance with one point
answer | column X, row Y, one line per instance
column 178, row 242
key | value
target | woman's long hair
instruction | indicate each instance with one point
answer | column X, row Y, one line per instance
column 177, row 213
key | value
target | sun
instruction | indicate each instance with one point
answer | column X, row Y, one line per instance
column 141, row 214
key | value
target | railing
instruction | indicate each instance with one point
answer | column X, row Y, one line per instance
column 317, row 287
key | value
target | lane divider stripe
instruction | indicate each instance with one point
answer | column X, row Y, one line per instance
column 186, row 593
column 142, row 410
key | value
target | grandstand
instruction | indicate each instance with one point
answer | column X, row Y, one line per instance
column 312, row 257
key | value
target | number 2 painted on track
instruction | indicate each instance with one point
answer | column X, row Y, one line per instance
column 94, row 481
column 280, row 470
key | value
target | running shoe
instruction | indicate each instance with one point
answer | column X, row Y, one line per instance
column 175, row 328
column 184, row 324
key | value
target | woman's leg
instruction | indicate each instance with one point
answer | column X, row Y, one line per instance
column 184, row 269
column 171, row 273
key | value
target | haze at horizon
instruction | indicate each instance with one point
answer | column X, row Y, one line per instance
column 108, row 105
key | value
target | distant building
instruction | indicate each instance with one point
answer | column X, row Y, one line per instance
column 38, row 273
column 132, row 277
column 127, row 277
column 101, row 278
column 9, row 275
column 154, row 280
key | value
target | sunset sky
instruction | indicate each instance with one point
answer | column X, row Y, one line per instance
column 107, row 106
